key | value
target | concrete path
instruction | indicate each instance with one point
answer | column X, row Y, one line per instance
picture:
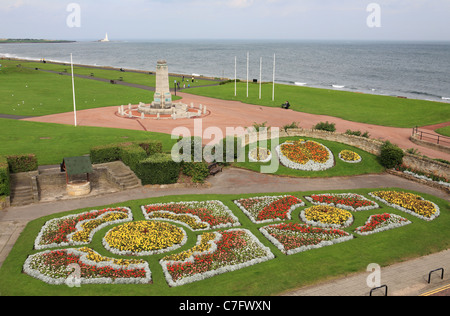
column 402, row 279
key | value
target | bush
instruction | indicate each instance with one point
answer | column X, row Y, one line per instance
column 198, row 171
column 391, row 156
column 325, row 126
column 151, row 147
column 158, row 169
column 105, row 153
column 4, row 176
column 22, row 163
column 131, row 155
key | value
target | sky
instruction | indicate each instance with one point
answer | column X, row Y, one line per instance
column 226, row 19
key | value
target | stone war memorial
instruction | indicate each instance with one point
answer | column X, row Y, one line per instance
column 162, row 106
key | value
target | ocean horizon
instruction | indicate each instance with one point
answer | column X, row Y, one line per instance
column 412, row 69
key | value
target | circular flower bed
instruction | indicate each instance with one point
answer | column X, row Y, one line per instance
column 259, row 154
column 144, row 238
column 350, row 156
column 326, row 216
column 305, row 155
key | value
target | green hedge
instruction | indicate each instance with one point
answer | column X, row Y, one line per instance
column 4, row 176
column 158, row 169
column 151, row 147
column 105, row 153
column 131, row 155
column 22, row 163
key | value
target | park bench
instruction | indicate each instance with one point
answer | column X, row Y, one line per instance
column 214, row 168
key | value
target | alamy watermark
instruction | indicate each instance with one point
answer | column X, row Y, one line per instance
column 228, row 147
column 74, row 18
column 374, row 18
column 374, row 278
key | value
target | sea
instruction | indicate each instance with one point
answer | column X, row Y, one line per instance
column 416, row 70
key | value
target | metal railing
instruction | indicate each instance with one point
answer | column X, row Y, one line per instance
column 436, row 270
column 380, row 287
column 434, row 138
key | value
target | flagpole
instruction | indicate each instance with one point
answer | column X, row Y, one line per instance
column 235, row 75
column 73, row 90
column 273, row 90
column 248, row 57
column 260, row 77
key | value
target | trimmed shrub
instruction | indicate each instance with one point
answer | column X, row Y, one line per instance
column 22, row 163
column 4, row 176
column 151, row 147
column 158, row 169
column 105, row 153
column 131, row 155
column 391, row 156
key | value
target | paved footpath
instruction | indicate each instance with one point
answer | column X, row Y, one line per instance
column 408, row 278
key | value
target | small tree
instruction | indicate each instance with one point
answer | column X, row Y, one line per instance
column 391, row 156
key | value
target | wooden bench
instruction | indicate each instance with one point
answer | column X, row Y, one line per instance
column 214, row 169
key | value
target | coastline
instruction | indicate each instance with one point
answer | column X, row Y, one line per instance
column 443, row 100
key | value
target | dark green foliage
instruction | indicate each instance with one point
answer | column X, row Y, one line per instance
column 357, row 133
column 325, row 126
column 391, row 156
column 197, row 170
column 131, row 155
column 158, row 169
column 4, row 177
column 22, row 163
column 151, row 147
column 104, row 153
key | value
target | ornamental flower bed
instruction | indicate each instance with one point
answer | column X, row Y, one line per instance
column 196, row 215
column 349, row 156
column 229, row 251
column 326, row 216
column 410, row 203
column 346, row 201
column 144, row 238
column 381, row 222
column 269, row 208
column 291, row 238
column 259, row 154
column 78, row 229
column 305, row 155
column 88, row 267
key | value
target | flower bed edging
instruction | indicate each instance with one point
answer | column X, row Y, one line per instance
column 308, row 166
column 58, row 280
column 344, row 206
column 347, row 223
column 403, row 209
column 221, row 269
column 393, row 222
column 266, row 232
column 271, row 199
column 202, row 225
column 79, row 227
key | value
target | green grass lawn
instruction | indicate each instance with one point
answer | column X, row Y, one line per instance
column 141, row 78
column 272, row 277
column 34, row 93
column 444, row 131
column 52, row 142
column 357, row 107
column 368, row 165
